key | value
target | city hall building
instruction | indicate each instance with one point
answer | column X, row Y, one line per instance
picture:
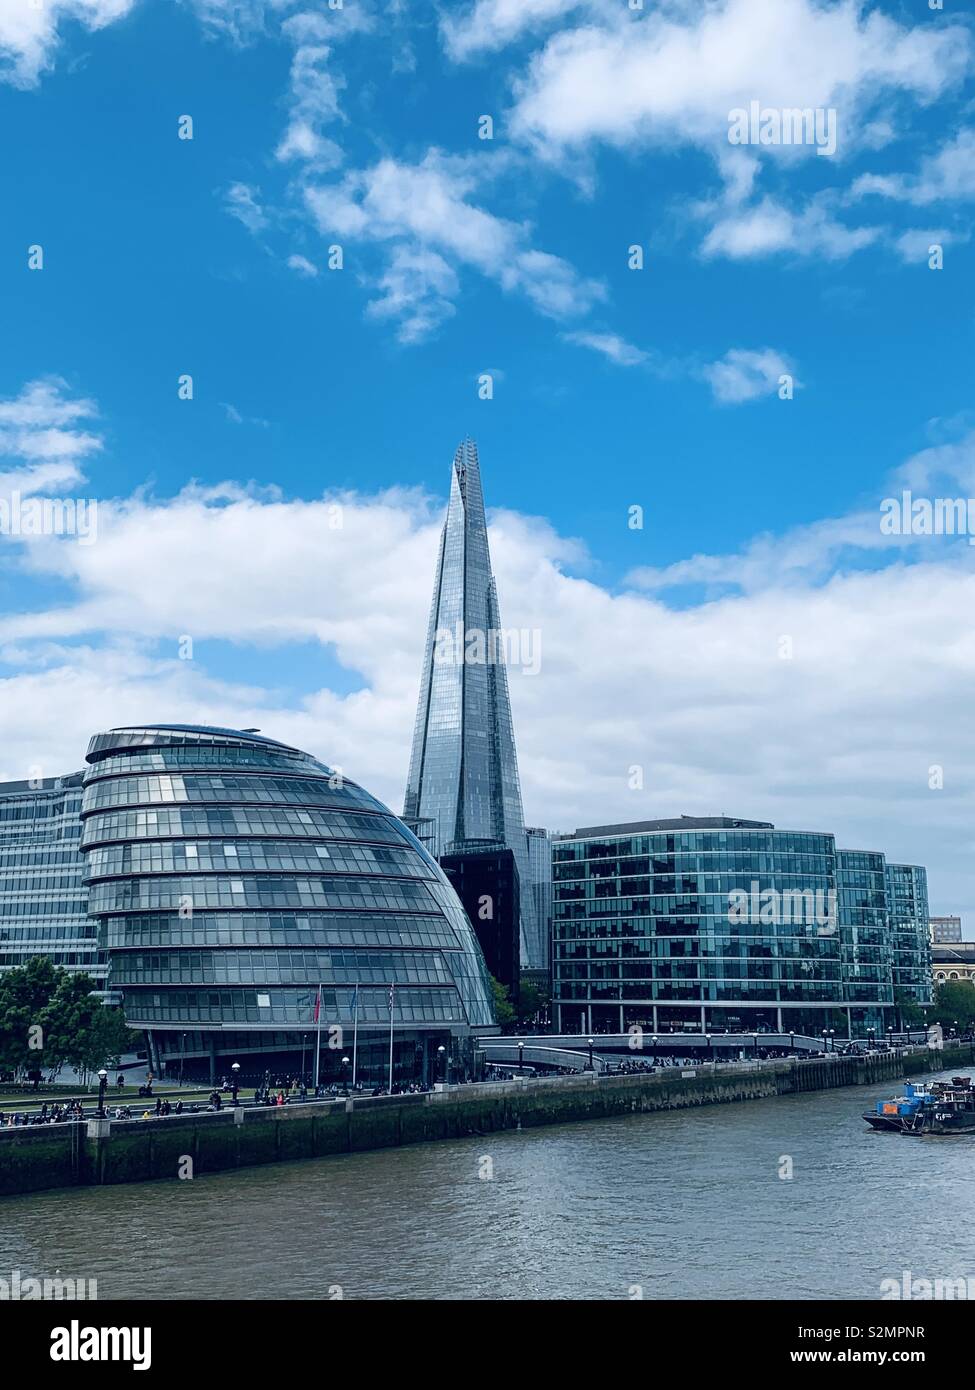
column 257, row 906
column 716, row 923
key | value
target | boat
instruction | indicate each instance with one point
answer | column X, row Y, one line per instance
column 902, row 1112
column 941, row 1107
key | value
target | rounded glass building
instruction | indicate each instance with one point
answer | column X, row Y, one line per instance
column 259, row 907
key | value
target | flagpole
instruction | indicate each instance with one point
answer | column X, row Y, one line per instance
column 355, row 1032
column 391, row 991
column 318, row 1033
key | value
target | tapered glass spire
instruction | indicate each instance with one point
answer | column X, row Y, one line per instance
column 464, row 770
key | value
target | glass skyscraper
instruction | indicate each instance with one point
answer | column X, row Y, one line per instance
column 237, row 881
column 723, row 924
column 463, row 779
column 43, row 901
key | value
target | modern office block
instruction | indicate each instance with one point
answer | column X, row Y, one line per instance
column 43, row 900
column 945, row 930
column 907, row 896
column 716, row 923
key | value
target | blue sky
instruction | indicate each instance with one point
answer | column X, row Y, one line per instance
column 358, row 126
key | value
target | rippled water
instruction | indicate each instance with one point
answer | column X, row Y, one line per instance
column 684, row 1204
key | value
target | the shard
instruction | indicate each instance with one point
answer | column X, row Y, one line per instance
column 463, row 779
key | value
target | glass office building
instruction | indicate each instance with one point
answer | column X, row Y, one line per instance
column 237, row 880
column 718, row 924
column 463, row 785
column 866, row 940
column 907, row 896
column 43, row 900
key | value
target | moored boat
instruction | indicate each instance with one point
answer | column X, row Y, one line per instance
column 943, row 1107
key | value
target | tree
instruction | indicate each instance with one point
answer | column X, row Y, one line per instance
column 910, row 1013
column 504, row 1011
column 50, row 1016
column 533, row 1000
column 955, row 999
column 25, row 993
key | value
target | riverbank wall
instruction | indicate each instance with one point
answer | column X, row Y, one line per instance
column 174, row 1147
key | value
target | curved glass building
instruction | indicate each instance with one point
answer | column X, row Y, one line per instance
column 237, row 881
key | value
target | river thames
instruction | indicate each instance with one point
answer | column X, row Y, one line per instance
column 685, row 1204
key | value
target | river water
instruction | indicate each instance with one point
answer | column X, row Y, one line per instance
column 685, row 1204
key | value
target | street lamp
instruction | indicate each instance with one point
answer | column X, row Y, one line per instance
column 590, row 1054
column 102, row 1083
column 521, row 1057
column 235, row 1079
column 710, row 1047
column 345, row 1076
column 825, row 1036
column 442, row 1062
column 832, row 1040
column 653, row 1055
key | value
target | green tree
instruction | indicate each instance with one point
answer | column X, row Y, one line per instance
column 955, row 999
column 909, row 1011
column 25, row 993
column 504, row 1011
column 533, row 1001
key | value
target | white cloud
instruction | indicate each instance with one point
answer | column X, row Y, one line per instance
column 745, row 375
column 32, row 30
column 40, row 427
column 946, row 176
column 673, row 75
column 302, row 266
column 840, row 736
column 610, row 345
column 914, row 246
column 489, row 25
column 242, row 203
column 426, row 211
column 768, row 228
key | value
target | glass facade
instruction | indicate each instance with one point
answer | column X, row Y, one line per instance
column 233, row 878
column 907, row 895
column 719, row 924
column 463, row 775
column 43, row 900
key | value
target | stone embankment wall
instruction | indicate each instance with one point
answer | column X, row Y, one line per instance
column 33, row 1158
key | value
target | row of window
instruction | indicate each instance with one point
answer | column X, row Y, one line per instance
column 143, row 1007
column 279, row 929
column 281, row 967
column 745, row 991
column 191, row 894
column 773, row 842
column 253, row 856
column 188, row 822
column 142, row 791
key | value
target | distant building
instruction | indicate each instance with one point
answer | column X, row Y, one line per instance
column 43, row 901
column 463, row 779
column 953, row 962
column 907, row 904
column 945, row 930
column 714, row 923
column 486, row 881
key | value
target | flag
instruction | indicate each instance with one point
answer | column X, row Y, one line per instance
column 391, row 988
column 318, row 1004
column 355, row 1001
